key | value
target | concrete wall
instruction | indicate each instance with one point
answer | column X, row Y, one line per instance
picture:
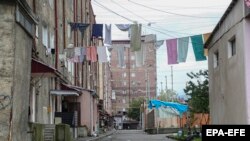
column 15, row 66
column 43, row 84
column 227, row 81
column 246, row 28
column 87, row 110
column 6, row 66
column 21, row 87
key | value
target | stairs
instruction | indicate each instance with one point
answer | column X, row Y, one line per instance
column 49, row 132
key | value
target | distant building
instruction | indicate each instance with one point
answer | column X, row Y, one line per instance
column 229, row 66
column 135, row 76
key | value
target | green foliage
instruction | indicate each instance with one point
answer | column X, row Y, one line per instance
column 134, row 108
column 197, row 89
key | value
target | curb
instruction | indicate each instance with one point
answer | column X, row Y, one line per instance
column 102, row 136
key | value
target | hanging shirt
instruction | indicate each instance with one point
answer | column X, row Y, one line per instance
column 123, row 27
column 107, row 38
column 93, row 54
column 120, row 54
column 97, row 30
column 172, row 51
column 102, row 54
column 88, row 53
column 159, row 43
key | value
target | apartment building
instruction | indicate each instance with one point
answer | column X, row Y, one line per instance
column 41, row 86
column 133, row 74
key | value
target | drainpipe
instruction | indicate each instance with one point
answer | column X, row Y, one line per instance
column 64, row 38
column 56, row 35
column 81, row 22
column 74, row 4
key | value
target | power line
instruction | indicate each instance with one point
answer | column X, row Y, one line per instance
column 102, row 6
column 172, row 13
column 155, row 29
column 130, row 11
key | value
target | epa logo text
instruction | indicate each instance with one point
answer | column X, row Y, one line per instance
column 228, row 132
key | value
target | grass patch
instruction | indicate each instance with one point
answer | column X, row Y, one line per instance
column 197, row 139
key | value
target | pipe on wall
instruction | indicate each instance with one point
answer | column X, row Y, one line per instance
column 56, row 35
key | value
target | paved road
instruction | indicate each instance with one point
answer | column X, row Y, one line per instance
column 134, row 135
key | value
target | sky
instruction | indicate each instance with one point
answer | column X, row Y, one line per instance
column 168, row 19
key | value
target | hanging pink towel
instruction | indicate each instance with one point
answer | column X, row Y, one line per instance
column 88, row 53
column 93, row 54
column 172, row 51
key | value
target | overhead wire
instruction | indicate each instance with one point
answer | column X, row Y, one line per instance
column 146, row 26
column 143, row 17
column 171, row 13
column 102, row 6
column 130, row 11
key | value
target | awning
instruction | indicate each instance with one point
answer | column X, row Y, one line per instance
column 64, row 93
column 71, row 87
column 39, row 68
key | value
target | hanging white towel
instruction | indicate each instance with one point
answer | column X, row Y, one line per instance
column 102, row 54
column 107, row 35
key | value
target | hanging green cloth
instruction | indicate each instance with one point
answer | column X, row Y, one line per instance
column 135, row 39
column 182, row 49
column 197, row 43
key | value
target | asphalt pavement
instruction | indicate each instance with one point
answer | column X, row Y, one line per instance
column 134, row 135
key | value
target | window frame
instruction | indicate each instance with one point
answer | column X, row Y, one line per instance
column 216, row 58
column 232, row 47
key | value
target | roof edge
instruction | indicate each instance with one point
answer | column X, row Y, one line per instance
column 229, row 9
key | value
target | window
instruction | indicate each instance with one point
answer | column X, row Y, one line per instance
column 124, row 91
column 51, row 3
column 132, row 57
column 69, row 31
column 133, row 65
column 25, row 21
column 133, row 83
column 52, row 39
column 123, row 101
column 37, row 31
column 124, row 74
column 132, row 74
column 231, row 47
column 113, row 94
column 45, row 36
column 125, row 83
column 216, row 59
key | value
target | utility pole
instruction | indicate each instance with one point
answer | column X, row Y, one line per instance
column 149, row 96
column 172, row 77
column 161, row 86
column 129, row 75
column 166, row 83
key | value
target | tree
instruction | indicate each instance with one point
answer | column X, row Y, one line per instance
column 134, row 108
column 167, row 95
column 197, row 89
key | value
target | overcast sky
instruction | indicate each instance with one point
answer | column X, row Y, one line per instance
column 167, row 19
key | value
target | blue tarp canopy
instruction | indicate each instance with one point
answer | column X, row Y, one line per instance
column 181, row 108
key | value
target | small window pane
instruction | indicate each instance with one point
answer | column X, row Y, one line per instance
column 216, row 59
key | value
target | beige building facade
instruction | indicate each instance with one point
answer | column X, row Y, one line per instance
column 229, row 91
column 40, row 86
